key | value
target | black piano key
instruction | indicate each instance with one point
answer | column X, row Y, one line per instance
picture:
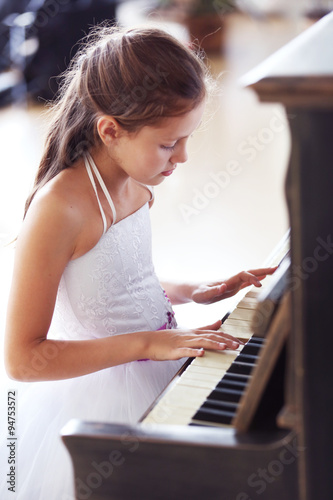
column 231, row 384
column 240, row 368
column 237, row 377
column 246, row 358
column 256, row 341
column 220, row 405
column 251, row 349
column 225, row 395
column 213, row 415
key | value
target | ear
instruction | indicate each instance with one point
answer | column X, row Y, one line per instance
column 108, row 129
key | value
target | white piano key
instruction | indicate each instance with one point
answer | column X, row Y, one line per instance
column 244, row 314
column 237, row 331
column 216, row 359
column 238, row 322
column 247, row 303
column 178, row 404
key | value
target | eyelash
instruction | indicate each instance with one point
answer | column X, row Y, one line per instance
column 169, row 148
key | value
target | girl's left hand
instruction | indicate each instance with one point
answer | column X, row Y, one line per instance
column 213, row 292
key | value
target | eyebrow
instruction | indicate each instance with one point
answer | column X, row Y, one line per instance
column 178, row 139
column 186, row 136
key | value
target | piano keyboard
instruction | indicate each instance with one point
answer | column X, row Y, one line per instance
column 208, row 390
column 191, row 390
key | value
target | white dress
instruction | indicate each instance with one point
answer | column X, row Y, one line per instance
column 110, row 290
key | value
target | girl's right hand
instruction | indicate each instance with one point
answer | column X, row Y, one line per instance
column 180, row 343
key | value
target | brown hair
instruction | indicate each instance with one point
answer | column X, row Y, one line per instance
column 139, row 76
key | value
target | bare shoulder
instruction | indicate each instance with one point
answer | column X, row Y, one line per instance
column 58, row 199
column 56, row 213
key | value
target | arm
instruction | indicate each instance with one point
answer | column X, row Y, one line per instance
column 46, row 243
column 179, row 293
column 207, row 293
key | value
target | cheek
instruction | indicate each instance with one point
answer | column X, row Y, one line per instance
column 146, row 158
column 155, row 158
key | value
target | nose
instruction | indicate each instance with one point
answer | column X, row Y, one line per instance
column 180, row 155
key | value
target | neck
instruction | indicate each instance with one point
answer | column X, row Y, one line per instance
column 115, row 179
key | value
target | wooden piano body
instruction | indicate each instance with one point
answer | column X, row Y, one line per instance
column 162, row 461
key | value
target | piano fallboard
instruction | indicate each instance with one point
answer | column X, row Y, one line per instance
column 170, row 462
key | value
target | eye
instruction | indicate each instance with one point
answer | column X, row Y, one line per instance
column 169, row 148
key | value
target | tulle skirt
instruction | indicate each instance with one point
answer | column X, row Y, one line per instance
column 119, row 394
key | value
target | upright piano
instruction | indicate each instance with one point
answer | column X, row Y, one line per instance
column 257, row 422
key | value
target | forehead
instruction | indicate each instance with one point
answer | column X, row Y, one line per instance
column 176, row 127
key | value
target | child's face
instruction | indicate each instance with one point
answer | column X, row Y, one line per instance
column 151, row 155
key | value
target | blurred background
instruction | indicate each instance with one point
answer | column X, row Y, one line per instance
column 222, row 211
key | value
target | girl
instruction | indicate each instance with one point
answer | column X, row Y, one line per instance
column 86, row 311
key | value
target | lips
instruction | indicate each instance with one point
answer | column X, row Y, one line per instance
column 168, row 172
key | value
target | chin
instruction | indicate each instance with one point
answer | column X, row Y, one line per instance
column 155, row 181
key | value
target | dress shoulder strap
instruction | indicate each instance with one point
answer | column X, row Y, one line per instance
column 151, row 190
column 90, row 165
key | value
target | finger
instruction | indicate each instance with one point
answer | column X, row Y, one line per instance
column 244, row 278
column 263, row 271
column 245, row 284
column 231, row 342
column 210, row 341
column 206, row 343
column 187, row 352
column 227, row 337
column 253, row 279
column 261, row 277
